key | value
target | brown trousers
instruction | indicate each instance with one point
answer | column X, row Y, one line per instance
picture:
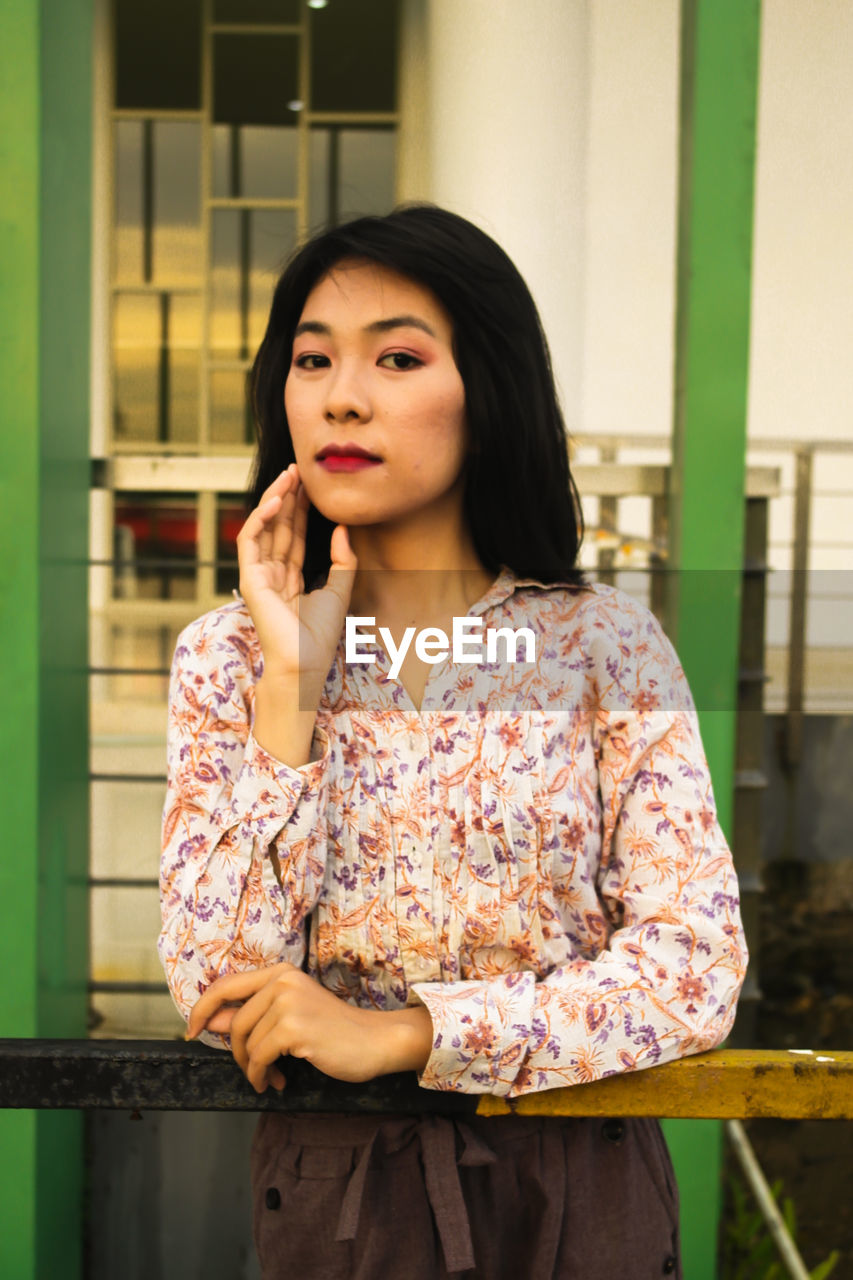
column 424, row 1198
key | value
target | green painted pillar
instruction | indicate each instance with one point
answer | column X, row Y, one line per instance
column 719, row 81
column 19, row 276
column 45, row 176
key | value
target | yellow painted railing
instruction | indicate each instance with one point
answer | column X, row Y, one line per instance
column 726, row 1084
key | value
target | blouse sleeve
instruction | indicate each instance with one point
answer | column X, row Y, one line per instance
column 228, row 805
column 666, row 980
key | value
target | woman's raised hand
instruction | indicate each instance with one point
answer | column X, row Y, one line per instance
column 298, row 633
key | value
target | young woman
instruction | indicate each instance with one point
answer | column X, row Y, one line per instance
column 505, row 873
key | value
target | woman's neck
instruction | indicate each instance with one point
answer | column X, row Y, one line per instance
column 414, row 573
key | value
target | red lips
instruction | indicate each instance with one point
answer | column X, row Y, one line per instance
column 346, row 457
column 346, row 451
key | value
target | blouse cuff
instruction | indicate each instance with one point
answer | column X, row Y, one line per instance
column 266, row 790
column 480, row 1032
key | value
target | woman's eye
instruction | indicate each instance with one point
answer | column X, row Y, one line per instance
column 311, row 361
column 400, row 360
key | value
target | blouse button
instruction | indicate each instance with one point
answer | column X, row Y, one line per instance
column 273, row 1198
column 613, row 1130
column 669, row 1266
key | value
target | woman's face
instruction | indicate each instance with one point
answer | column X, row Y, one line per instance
column 372, row 373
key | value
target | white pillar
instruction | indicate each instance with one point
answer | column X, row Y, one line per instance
column 413, row 180
column 631, row 201
column 506, row 128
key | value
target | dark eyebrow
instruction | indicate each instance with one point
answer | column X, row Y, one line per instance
column 312, row 326
column 400, row 322
column 378, row 326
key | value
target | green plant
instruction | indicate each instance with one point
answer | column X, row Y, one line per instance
column 749, row 1252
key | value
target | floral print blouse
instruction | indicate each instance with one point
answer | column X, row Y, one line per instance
column 534, row 855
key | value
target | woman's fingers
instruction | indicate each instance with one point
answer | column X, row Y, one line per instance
column 218, row 994
column 343, row 567
column 253, row 538
column 296, row 551
column 255, row 523
column 282, row 526
column 283, row 481
column 222, row 1019
column 276, row 528
column 259, row 1070
column 268, row 1024
column 253, row 541
column 260, row 1065
column 228, row 989
column 245, row 1021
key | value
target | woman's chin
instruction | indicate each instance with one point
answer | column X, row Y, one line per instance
column 349, row 514
column 349, row 509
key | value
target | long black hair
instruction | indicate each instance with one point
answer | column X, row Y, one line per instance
column 520, row 501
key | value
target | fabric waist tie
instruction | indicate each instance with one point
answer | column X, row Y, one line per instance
column 437, row 1136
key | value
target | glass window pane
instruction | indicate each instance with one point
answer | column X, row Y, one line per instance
column 229, row 336
column 128, row 732
column 318, row 179
column 158, row 209
column 254, row 79
column 184, row 343
column 366, row 171
column 156, row 549
column 127, row 807
column 176, row 203
column 354, row 56
column 250, row 247
column 127, row 710
column 136, row 326
column 254, row 161
column 158, row 54
column 156, row 363
column 146, row 1017
column 125, row 922
column 230, row 515
column 256, row 11
column 230, row 415
column 129, row 202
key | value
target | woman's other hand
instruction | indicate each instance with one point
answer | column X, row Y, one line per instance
column 285, row 1012
column 298, row 633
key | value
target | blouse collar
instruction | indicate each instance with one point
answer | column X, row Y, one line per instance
column 506, row 584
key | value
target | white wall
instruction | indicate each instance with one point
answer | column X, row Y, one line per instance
column 629, row 258
column 801, row 381
column 505, row 134
column 554, row 126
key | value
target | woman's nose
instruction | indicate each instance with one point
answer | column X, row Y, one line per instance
column 347, row 397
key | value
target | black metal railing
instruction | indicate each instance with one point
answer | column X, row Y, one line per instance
column 169, row 1075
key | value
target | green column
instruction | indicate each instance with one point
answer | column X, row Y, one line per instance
column 719, row 79
column 45, row 175
column 19, row 276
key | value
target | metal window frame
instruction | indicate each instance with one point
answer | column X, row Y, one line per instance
column 203, row 447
